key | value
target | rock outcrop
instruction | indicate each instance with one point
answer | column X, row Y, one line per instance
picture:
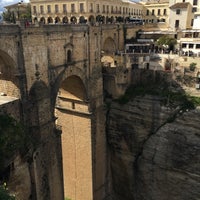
column 154, row 151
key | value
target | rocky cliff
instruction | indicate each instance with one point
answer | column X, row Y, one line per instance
column 154, row 149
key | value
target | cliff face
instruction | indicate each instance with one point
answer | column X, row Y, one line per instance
column 154, row 154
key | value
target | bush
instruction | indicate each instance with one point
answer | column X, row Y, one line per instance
column 13, row 139
column 4, row 194
column 192, row 66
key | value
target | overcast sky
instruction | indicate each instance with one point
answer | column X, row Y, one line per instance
column 8, row 2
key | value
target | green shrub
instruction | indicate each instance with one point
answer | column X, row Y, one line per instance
column 192, row 66
column 4, row 194
column 13, row 138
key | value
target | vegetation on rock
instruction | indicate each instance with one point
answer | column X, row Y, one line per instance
column 4, row 193
column 13, row 139
column 170, row 97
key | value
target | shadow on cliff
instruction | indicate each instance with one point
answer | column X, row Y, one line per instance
column 148, row 128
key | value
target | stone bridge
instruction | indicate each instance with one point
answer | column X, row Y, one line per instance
column 55, row 73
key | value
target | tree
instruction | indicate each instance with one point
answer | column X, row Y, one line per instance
column 22, row 12
column 167, row 42
column 9, row 16
column 12, row 139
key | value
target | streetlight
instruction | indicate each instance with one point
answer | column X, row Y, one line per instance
column 18, row 8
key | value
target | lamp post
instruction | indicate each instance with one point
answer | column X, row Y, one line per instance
column 18, row 9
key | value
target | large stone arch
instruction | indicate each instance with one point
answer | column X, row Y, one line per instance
column 73, row 116
column 9, row 83
column 109, row 46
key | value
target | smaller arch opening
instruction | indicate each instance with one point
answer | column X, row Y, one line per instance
column 57, row 20
column 82, row 20
column 73, row 20
column 42, row 20
column 65, row 20
column 50, row 20
column 69, row 56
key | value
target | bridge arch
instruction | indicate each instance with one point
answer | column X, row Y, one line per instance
column 73, row 116
column 109, row 46
column 9, row 83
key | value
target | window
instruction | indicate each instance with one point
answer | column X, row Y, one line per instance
column 104, row 9
column 72, row 7
column 178, row 11
column 153, row 12
column 41, row 9
column 107, row 9
column 191, row 46
column 146, row 13
column 112, row 11
column 194, row 9
column 48, row 9
column 91, row 7
column 158, row 11
column 184, row 45
column 34, row 10
column 195, row 2
column 176, row 23
column 197, row 46
column 97, row 8
column 192, row 21
column 64, row 8
column 81, row 7
column 165, row 12
column 69, row 56
column 56, row 9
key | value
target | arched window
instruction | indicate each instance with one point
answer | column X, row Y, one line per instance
column 69, row 56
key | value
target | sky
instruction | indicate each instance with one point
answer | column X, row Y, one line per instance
column 8, row 2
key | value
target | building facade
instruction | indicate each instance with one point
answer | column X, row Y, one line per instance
column 156, row 12
column 181, row 16
column 85, row 11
